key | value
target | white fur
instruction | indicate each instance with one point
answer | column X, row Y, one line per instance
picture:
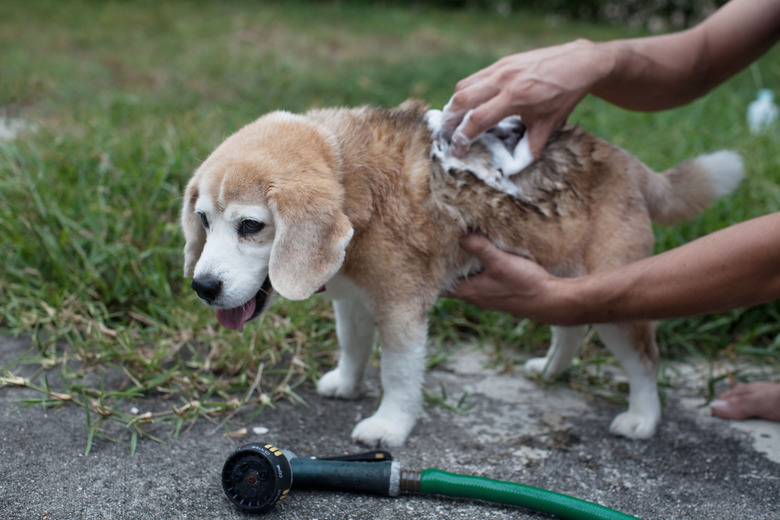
column 726, row 170
column 644, row 408
column 518, row 160
column 233, row 261
column 563, row 347
column 356, row 332
column 402, row 364
column 402, row 369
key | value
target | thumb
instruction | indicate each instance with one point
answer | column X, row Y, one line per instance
column 538, row 135
column 479, row 246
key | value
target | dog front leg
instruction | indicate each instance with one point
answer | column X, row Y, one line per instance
column 356, row 333
column 403, row 342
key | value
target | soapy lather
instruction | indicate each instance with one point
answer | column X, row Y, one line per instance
column 507, row 144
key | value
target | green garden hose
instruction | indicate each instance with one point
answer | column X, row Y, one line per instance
column 257, row 477
column 438, row 482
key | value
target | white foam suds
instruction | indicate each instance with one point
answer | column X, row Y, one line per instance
column 503, row 164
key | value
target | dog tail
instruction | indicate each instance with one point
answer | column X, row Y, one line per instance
column 688, row 188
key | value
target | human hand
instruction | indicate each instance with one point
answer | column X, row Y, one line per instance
column 541, row 86
column 509, row 283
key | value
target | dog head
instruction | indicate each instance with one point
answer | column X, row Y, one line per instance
column 263, row 214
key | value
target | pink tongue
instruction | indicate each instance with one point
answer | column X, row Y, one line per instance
column 235, row 318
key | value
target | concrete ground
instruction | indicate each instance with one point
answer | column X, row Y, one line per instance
column 696, row 467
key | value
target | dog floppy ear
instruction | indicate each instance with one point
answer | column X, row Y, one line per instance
column 310, row 242
column 194, row 234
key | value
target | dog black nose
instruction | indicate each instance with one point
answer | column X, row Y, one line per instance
column 207, row 288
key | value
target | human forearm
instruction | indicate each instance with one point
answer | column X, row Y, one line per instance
column 735, row 267
column 650, row 73
column 669, row 70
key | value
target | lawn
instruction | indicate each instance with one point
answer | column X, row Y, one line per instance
column 118, row 102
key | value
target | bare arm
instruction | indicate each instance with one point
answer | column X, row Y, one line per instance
column 543, row 86
column 735, row 267
column 666, row 71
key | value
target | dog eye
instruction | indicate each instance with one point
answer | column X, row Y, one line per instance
column 250, row 227
column 204, row 220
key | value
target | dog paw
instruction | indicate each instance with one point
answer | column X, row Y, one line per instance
column 332, row 384
column 382, row 431
column 634, row 425
column 536, row 365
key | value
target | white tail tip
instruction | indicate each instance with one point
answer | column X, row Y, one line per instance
column 726, row 170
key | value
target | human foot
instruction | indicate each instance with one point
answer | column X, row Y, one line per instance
column 760, row 399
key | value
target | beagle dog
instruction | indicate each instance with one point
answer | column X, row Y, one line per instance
column 366, row 204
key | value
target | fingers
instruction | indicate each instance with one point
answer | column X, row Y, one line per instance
column 459, row 143
column 480, row 102
column 509, row 283
column 474, row 124
column 481, row 247
column 538, row 135
column 476, row 121
column 461, row 127
column 459, row 108
column 474, row 287
column 451, row 117
column 541, row 86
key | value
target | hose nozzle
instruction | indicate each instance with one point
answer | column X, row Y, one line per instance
column 257, row 477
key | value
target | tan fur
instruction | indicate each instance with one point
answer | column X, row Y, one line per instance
column 356, row 191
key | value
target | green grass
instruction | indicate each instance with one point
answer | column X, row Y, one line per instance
column 124, row 99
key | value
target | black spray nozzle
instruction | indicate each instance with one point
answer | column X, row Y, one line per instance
column 256, row 477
